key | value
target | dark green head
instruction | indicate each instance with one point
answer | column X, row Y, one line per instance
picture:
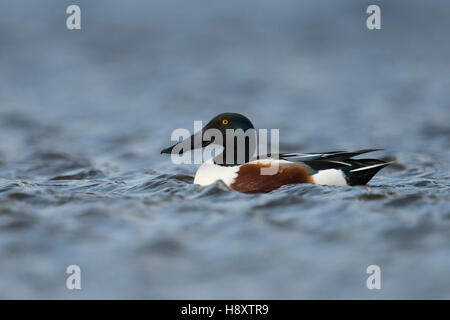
column 232, row 121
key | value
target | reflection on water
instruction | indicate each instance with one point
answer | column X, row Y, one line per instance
column 83, row 116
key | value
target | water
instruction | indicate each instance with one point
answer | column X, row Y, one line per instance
column 83, row 116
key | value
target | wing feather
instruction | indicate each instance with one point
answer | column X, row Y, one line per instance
column 331, row 156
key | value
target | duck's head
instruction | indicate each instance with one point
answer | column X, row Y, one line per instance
column 208, row 135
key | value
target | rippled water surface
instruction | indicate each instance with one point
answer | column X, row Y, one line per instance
column 84, row 114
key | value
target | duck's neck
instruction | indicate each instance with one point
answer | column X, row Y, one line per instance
column 235, row 157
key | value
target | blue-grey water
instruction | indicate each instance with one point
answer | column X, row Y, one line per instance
column 84, row 114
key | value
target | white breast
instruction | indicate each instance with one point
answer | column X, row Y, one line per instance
column 330, row 177
column 209, row 173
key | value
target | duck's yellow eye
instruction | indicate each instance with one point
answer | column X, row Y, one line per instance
column 225, row 121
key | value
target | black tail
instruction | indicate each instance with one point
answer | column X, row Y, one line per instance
column 362, row 170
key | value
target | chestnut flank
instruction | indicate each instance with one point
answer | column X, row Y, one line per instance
column 250, row 180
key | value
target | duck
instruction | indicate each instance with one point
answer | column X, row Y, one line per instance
column 244, row 172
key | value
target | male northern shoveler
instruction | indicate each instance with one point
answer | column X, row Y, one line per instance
column 335, row 168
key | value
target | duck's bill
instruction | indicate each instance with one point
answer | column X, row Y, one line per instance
column 193, row 142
